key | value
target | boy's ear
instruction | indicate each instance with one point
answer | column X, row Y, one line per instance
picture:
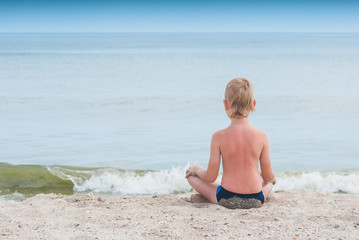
column 254, row 102
column 226, row 105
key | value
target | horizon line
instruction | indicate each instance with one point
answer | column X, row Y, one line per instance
column 39, row 32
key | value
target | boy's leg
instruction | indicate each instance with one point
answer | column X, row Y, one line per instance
column 198, row 198
column 206, row 189
column 266, row 188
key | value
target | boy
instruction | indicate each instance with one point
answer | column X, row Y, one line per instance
column 241, row 146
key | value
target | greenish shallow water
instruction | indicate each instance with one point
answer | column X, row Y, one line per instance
column 29, row 180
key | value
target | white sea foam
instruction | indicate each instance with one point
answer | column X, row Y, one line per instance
column 16, row 196
column 166, row 181
column 324, row 182
column 128, row 182
column 115, row 181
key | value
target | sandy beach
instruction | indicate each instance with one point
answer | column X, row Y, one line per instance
column 303, row 214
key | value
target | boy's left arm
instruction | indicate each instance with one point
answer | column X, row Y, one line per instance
column 209, row 175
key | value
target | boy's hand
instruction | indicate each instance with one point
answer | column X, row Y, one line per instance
column 191, row 171
column 274, row 181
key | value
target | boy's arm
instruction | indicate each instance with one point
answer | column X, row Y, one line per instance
column 266, row 167
column 209, row 175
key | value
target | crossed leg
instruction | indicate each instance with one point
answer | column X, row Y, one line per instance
column 266, row 188
column 207, row 191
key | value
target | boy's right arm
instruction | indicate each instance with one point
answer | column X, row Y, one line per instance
column 265, row 163
column 209, row 175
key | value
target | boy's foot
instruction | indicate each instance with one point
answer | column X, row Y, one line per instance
column 198, row 198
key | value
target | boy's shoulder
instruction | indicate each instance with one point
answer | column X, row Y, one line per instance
column 219, row 133
column 225, row 131
column 260, row 133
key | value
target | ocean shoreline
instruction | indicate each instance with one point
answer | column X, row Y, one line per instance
column 289, row 214
column 18, row 182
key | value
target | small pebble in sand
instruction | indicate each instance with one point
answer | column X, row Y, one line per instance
column 356, row 223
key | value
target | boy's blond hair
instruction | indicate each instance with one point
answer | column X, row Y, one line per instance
column 240, row 96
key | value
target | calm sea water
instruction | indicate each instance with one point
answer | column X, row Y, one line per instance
column 113, row 106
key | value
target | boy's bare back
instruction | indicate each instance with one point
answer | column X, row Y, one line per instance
column 241, row 145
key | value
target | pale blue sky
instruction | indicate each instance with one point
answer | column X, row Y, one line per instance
column 178, row 16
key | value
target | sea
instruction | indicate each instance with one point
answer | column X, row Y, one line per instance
column 126, row 113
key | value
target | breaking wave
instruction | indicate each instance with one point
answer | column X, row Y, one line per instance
column 28, row 180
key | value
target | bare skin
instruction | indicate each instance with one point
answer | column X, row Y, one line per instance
column 241, row 146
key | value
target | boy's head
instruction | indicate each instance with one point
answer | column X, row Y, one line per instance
column 239, row 98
